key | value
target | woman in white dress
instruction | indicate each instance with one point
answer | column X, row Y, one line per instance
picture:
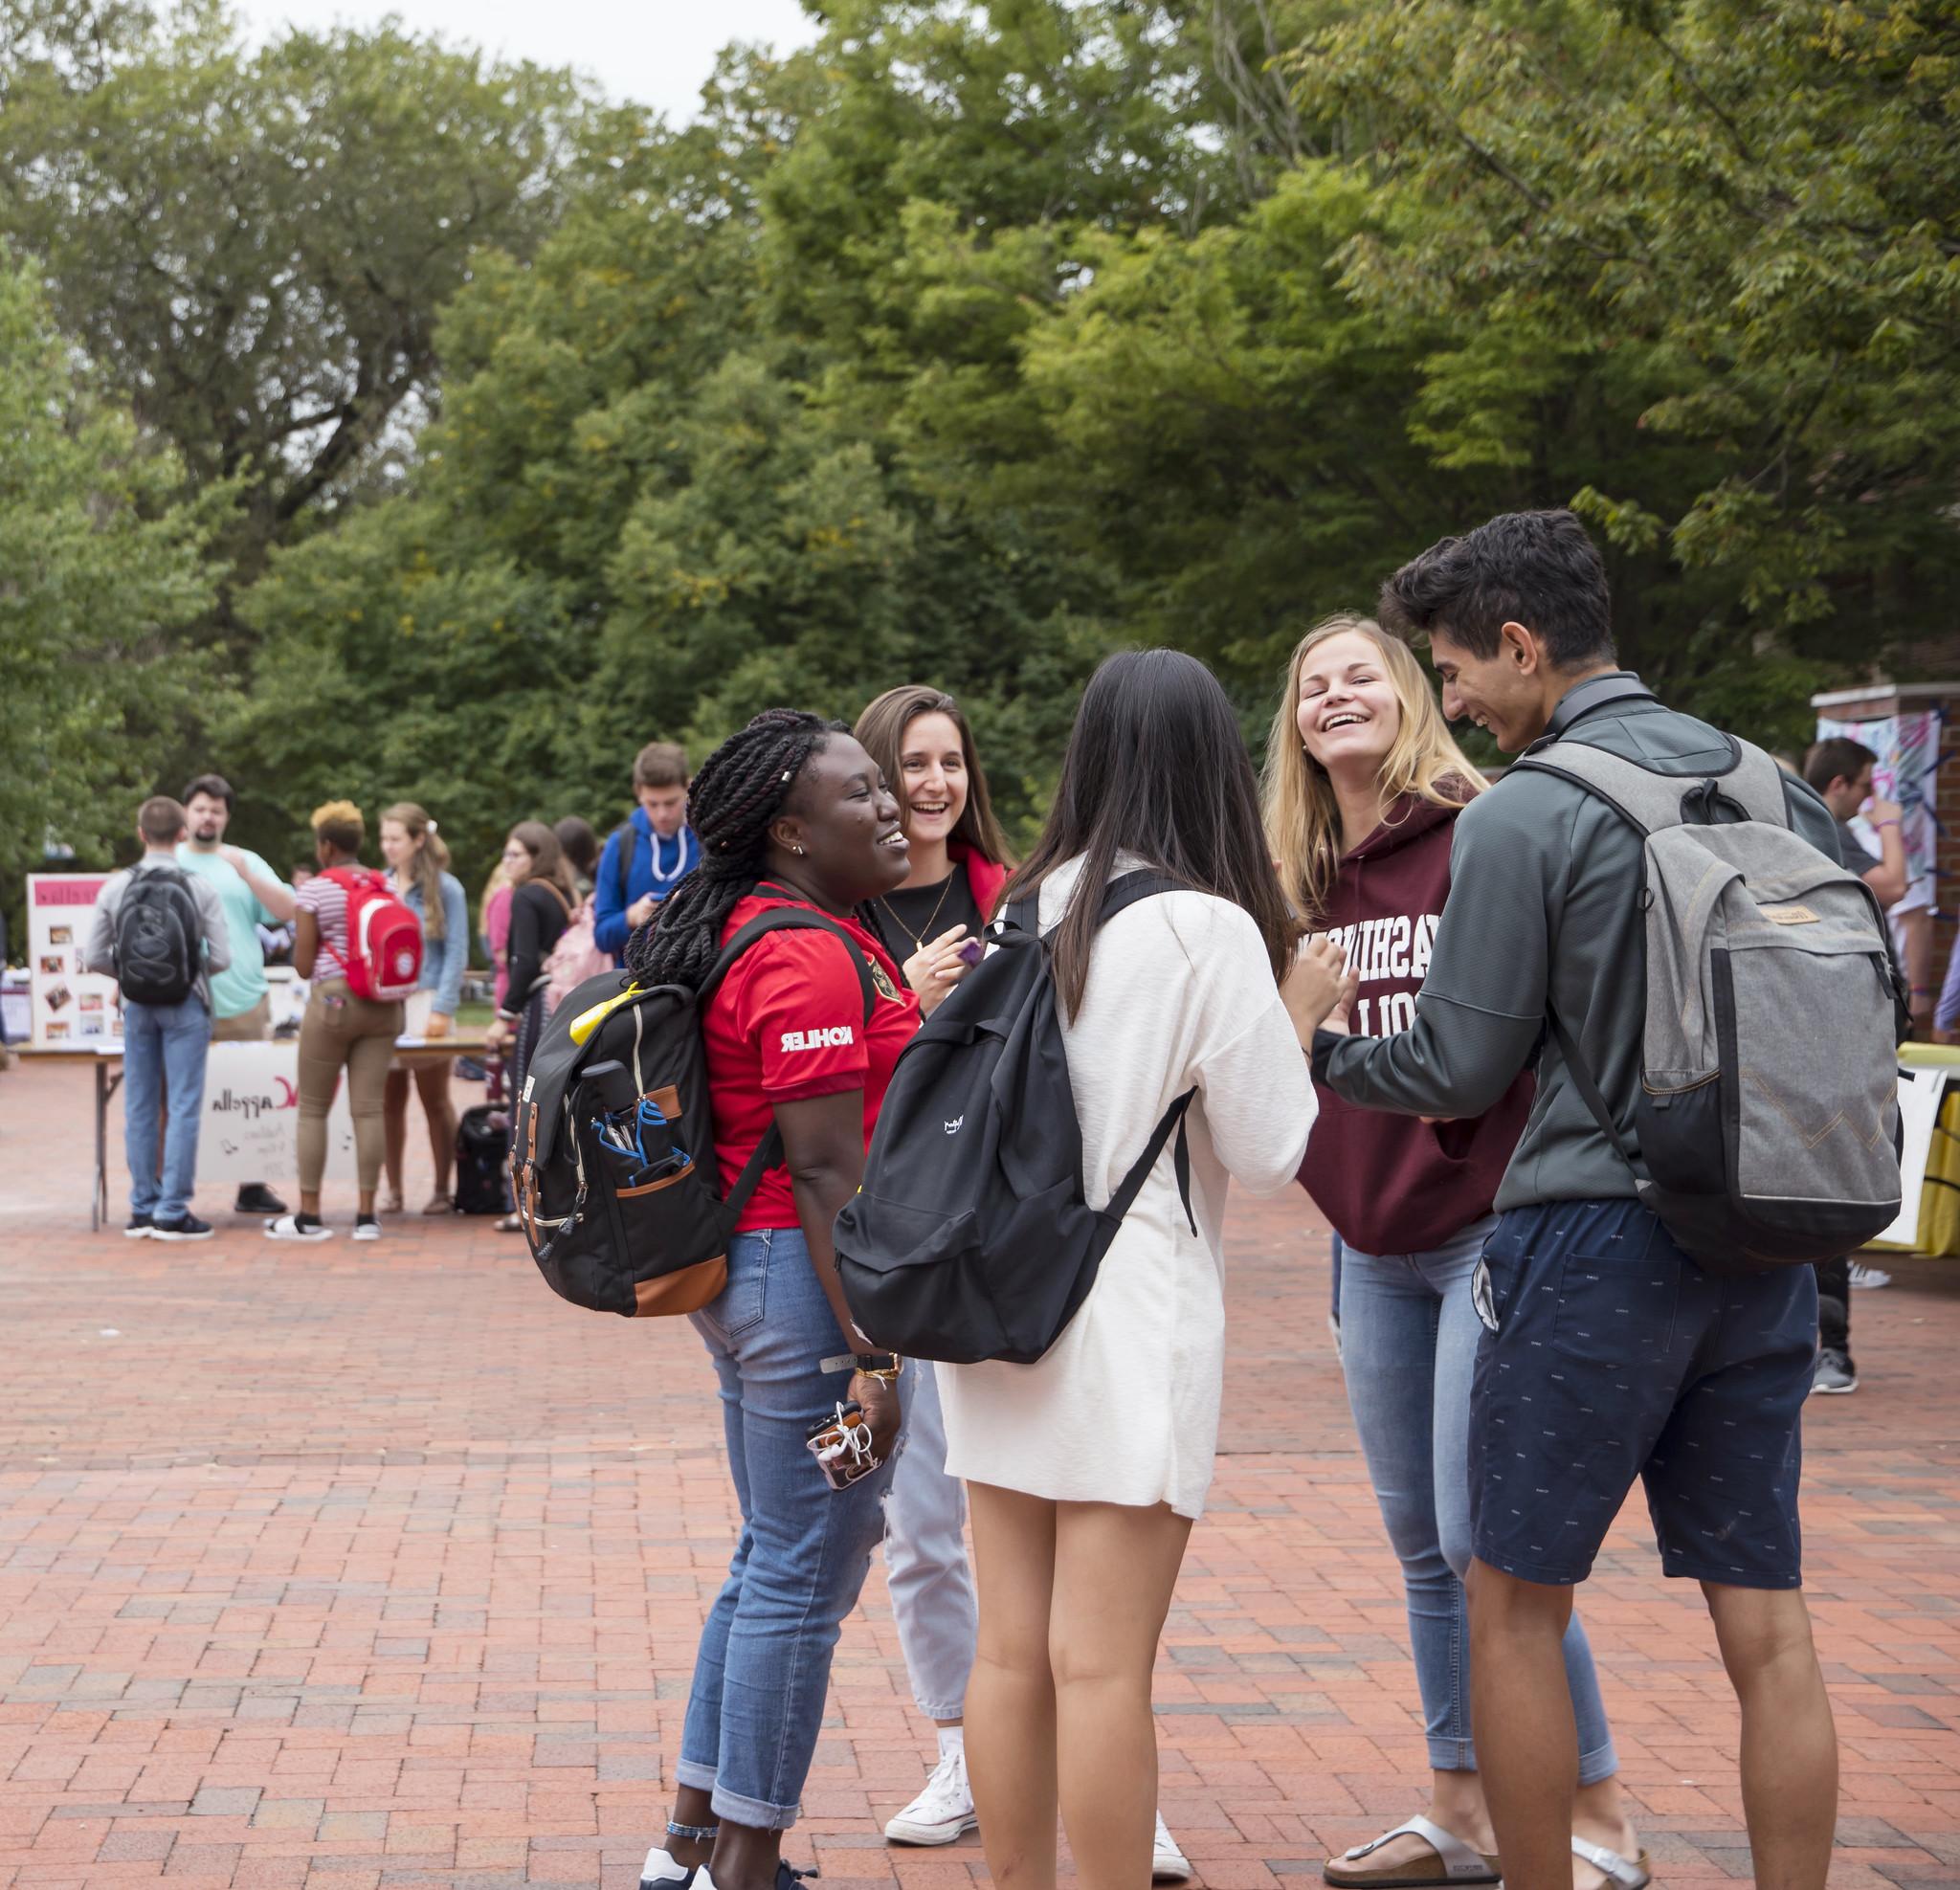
column 1085, row 1471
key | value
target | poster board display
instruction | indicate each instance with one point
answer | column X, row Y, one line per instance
column 70, row 1009
column 250, row 1131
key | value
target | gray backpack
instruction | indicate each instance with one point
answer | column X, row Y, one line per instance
column 1767, row 1116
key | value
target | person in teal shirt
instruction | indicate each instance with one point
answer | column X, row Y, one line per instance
column 251, row 895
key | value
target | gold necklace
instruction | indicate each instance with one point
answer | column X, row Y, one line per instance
column 919, row 938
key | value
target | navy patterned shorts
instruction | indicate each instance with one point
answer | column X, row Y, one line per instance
column 1607, row 1355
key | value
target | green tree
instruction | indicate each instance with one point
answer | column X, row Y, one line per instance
column 1756, row 203
column 252, row 246
column 106, row 569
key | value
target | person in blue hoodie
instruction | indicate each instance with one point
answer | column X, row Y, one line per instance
column 647, row 857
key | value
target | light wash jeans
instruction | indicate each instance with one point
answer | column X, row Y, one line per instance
column 926, row 1556
column 1409, row 1333
column 164, row 1050
column 764, row 1665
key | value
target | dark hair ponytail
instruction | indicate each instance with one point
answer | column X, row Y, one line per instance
column 741, row 787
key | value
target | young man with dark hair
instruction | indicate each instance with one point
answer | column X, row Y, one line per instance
column 1609, row 1355
column 645, row 859
column 252, row 896
column 1840, row 771
column 157, row 930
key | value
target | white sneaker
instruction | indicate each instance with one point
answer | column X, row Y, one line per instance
column 1167, row 1863
column 1861, row 1275
column 367, row 1230
column 943, row 1813
column 660, row 1872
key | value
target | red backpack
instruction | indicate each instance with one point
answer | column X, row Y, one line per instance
column 384, row 958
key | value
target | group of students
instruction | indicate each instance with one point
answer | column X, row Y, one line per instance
column 223, row 902
column 1522, row 1337
column 1355, row 979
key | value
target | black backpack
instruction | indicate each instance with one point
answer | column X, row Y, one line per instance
column 614, row 1156
column 159, row 937
column 971, row 1238
column 482, row 1160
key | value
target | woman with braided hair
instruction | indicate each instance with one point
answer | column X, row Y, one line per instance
column 790, row 811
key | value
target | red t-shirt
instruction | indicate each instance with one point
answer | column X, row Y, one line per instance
column 788, row 1024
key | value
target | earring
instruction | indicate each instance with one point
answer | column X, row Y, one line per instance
column 797, row 851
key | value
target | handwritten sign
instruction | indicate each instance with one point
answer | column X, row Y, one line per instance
column 250, row 1130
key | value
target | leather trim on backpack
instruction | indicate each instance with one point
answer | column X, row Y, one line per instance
column 687, row 1291
column 667, row 1100
column 653, row 1186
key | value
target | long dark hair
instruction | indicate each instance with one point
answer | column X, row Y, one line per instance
column 881, row 728
column 1156, row 768
column 548, row 859
column 740, row 790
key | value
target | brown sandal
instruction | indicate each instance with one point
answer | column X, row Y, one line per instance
column 1455, row 1862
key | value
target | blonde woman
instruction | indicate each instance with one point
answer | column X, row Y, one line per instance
column 418, row 870
column 1363, row 786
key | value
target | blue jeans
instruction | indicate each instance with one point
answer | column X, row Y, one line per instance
column 1409, row 1338
column 164, row 1048
column 764, row 1665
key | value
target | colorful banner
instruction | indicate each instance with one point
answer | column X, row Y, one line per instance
column 72, row 1008
column 1907, row 748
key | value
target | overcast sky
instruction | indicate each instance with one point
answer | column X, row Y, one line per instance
column 657, row 52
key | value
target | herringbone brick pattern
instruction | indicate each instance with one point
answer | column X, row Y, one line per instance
column 345, row 1567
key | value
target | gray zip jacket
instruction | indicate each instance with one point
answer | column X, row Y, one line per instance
column 1544, row 908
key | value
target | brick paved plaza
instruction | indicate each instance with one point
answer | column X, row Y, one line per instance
column 356, row 1565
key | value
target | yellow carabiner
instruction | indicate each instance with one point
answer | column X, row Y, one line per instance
column 589, row 1021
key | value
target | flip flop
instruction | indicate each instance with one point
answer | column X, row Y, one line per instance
column 1635, row 1875
column 1456, row 1863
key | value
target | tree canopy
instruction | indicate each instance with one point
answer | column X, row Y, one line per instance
column 978, row 340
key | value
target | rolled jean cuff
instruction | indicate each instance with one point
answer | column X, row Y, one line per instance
column 752, row 1812
column 690, row 1772
column 942, row 1709
column 1451, row 1755
column 1601, row 1762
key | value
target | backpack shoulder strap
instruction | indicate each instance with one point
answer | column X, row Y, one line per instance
column 1645, row 800
column 1650, row 801
column 1024, row 915
column 789, row 918
column 1755, row 784
column 1132, row 1184
column 1145, row 883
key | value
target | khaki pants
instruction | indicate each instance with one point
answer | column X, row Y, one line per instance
column 252, row 1026
column 342, row 1032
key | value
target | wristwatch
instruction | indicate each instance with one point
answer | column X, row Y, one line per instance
column 886, row 1366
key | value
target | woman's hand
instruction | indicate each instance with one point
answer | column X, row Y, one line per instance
column 879, row 1400
column 497, row 1036
column 439, row 1024
column 1318, row 989
column 936, row 968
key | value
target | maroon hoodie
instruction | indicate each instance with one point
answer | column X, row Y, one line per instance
column 1394, row 1184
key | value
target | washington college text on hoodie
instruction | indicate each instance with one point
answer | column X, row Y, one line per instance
column 1395, row 1184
